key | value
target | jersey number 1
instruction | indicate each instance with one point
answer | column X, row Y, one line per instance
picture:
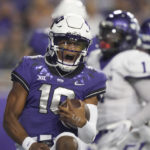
column 144, row 66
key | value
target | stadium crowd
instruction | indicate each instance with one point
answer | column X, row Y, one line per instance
column 18, row 19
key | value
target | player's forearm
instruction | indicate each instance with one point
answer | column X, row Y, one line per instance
column 14, row 129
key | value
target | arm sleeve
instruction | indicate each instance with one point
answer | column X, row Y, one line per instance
column 142, row 88
column 135, row 64
column 88, row 132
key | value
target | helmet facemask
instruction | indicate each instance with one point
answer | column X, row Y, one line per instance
column 111, row 39
column 70, row 51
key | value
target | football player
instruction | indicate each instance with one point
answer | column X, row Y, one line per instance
column 125, row 108
column 41, row 83
column 117, row 32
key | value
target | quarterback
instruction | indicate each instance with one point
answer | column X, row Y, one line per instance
column 34, row 114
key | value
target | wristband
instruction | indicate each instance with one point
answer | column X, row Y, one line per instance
column 27, row 142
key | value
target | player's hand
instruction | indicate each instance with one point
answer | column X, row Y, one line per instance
column 73, row 115
column 39, row 146
column 120, row 130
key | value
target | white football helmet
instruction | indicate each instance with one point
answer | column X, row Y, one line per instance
column 67, row 29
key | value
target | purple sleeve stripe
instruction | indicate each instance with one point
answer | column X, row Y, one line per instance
column 16, row 77
column 100, row 91
column 136, row 78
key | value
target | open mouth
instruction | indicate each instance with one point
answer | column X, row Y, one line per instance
column 69, row 57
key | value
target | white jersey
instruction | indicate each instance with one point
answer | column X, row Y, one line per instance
column 121, row 100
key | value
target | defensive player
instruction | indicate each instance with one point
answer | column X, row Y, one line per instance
column 126, row 102
column 117, row 32
column 41, row 83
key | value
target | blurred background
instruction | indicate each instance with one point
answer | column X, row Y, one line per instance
column 19, row 19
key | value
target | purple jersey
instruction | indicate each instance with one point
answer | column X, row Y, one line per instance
column 46, row 90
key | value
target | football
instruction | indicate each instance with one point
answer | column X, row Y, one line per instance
column 75, row 103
